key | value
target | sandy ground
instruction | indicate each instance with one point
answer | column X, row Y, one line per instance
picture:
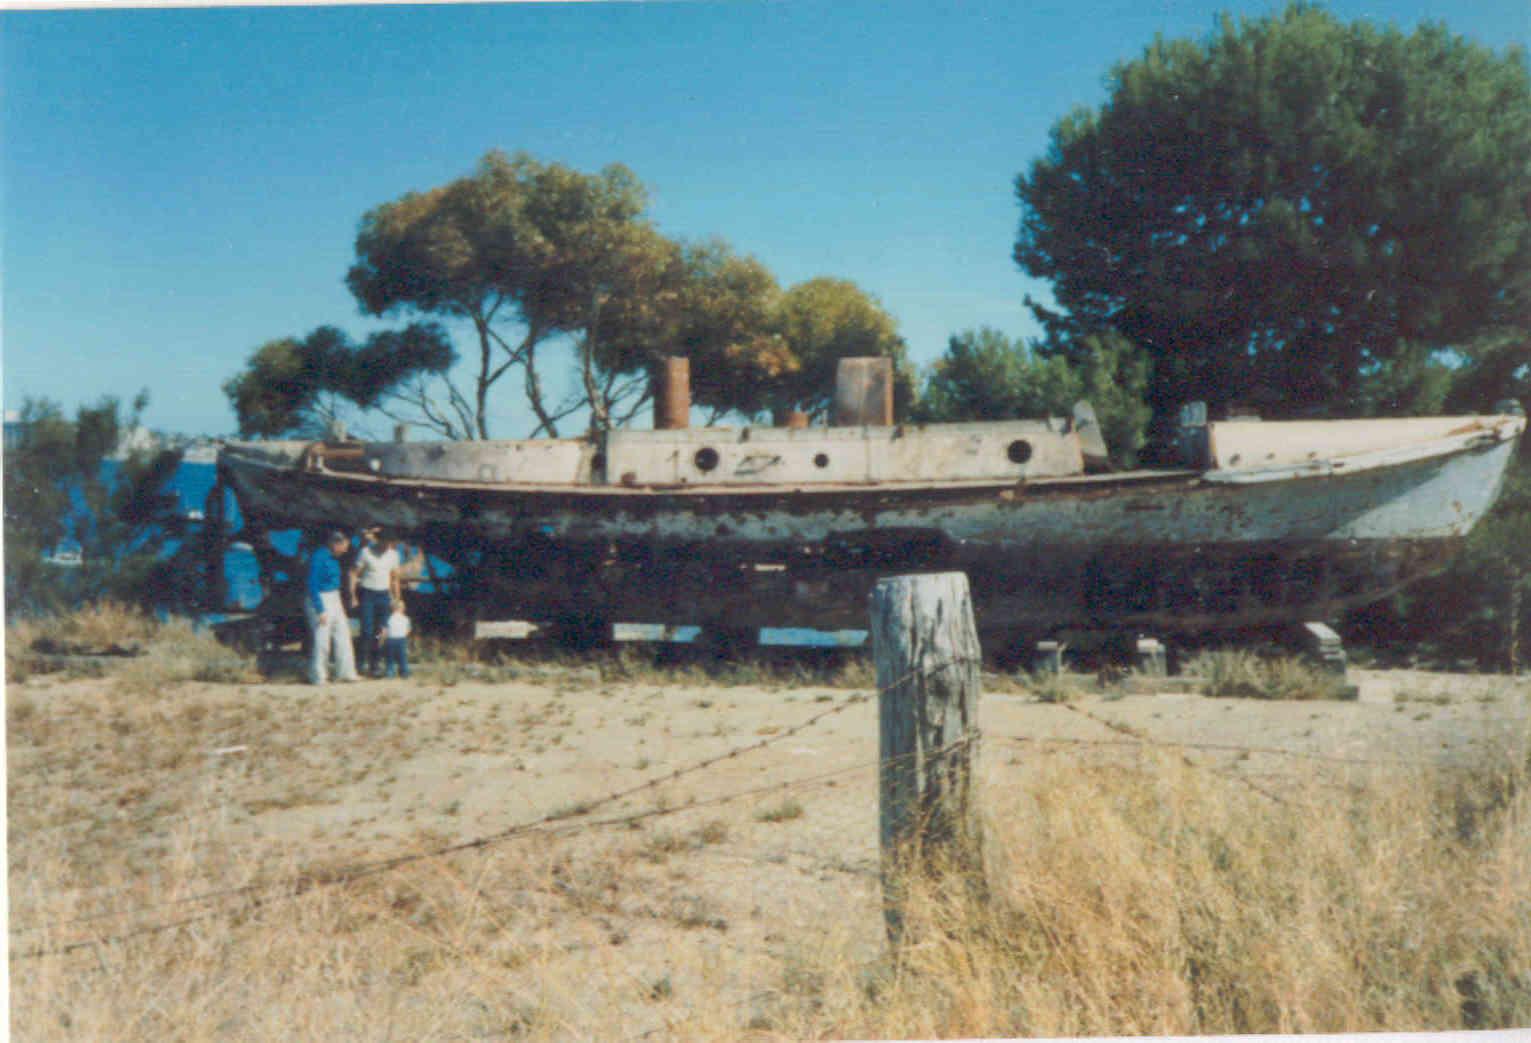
column 736, row 859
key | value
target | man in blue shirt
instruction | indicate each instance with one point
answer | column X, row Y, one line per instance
column 326, row 614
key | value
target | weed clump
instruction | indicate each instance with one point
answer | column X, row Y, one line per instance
column 1053, row 686
column 786, row 810
column 177, row 654
column 142, row 654
column 1235, row 673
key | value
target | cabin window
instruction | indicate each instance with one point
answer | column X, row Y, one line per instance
column 821, row 460
column 706, row 458
column 1019, row 451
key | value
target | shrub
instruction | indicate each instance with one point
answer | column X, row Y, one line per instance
column 1239, row 673
column 1227, row 672
column 1054, row 686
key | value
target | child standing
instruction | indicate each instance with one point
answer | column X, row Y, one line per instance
column 395, row 635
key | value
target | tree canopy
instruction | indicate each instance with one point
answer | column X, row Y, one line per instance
column 299, row 386
column 824, row 320
column 1297, row 213
column 538, row 259
column 984, row 375
column 60, row 486
column 521, row 249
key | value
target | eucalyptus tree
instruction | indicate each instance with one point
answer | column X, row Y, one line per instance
column 824, row 320
column 540, row 261
column 299, row 385
column 521, row 250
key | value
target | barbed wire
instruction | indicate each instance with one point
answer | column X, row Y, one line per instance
column 255, row 899
column 572, row 820
column 1217, row 747
column 1146, row 739
column 253, row 892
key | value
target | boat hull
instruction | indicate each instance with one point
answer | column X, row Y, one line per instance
column 1180, row 551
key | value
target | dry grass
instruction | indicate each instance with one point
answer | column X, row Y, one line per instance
column 93, row 628
column 1135, row 896
column 1142, row 899
column 1160, row 900
column 1053, row 686
column 144, row 655
column 1239, row 673
column 453, row 660
column 176, row 654
column 784, row 810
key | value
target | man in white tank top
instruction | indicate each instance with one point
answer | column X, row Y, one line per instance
column 376, row 574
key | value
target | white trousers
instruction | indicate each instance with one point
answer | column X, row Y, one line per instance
column 332, row 639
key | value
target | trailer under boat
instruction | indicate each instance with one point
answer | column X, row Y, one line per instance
column 737, row 528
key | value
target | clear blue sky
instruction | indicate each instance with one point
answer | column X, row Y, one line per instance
column 181, row 185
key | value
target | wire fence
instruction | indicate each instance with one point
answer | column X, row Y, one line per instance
column 580, row 818
column 260, row 893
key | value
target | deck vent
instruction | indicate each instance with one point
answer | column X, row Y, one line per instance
column 706, row 458
column 1019, row 451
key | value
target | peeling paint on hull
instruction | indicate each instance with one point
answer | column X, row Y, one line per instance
column 1178, row 550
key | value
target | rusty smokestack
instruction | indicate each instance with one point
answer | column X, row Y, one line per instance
column 672, row 394
column 863, row 393
column 793, row 419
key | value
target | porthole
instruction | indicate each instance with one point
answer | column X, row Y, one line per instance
column 1019, row 451
column 706, row 459
column 821, row 460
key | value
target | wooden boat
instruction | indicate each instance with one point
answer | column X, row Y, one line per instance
column 735, row 528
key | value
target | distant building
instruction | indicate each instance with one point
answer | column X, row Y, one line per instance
column 200, row 452
column 135, row 440
column 15, row 430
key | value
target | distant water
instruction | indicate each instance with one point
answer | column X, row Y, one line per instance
column 193, row 482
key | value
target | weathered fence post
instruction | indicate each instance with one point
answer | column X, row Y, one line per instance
column 926, row 648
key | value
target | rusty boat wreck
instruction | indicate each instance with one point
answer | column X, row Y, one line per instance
column 1267, row 523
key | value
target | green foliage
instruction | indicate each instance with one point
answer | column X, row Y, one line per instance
column 1297, row 213
column 1479, row 608
column 297, row 386
column 824, row 320
column 533, row 256
column 516, row 234
column 55, row 489
column 1236, row 673
column 985, row 376
column 722, row 321
column 522, row 250
column 701, row 301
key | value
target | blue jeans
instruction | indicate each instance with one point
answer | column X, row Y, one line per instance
column 397, row 655
column 374, row 608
